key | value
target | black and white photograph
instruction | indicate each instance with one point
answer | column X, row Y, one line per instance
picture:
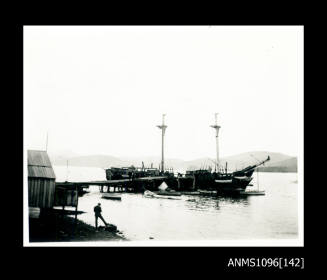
column 163, row 135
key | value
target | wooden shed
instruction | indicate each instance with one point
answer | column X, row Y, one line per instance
column 41, row 180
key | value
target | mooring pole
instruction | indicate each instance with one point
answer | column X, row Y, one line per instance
column 216, row 127
column 163, row 129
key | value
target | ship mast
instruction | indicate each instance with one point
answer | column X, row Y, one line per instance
column 216, row 127
column 163, row 129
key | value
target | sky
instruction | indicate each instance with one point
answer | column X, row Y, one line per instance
column 103, row 89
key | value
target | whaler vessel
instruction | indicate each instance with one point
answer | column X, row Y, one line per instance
column 236, row 181
column 222, row 181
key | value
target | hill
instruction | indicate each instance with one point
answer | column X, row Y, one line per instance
column 288, row 165
column 102, row 161
column 239, row 161
column 278, row 163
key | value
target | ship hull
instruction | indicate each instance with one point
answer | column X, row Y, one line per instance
column 235, row 182
column 223, row 183
column 232, row 186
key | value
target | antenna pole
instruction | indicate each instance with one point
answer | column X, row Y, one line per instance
column 46, row 146
column 163, row 129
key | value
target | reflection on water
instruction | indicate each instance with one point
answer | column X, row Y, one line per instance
column 212, row 203
column 195, row 217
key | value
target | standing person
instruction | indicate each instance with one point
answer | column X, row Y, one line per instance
column 97, row 213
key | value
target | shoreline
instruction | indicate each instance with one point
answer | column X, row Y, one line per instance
column 57, row 228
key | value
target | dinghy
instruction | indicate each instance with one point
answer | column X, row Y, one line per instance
column 190, row 193
column 170, row 193
column 154, row 195
column 111, row 196
column 205, row 192
column 252, row 193
column 164, row 190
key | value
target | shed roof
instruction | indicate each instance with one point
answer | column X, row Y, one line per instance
column 39, row 165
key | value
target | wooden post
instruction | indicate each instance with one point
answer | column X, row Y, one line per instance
column 56, row 225
column 76, row 206
column 75, row 222
column 178, row 184
column 63, row 207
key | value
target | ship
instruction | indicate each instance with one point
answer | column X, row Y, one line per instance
column 221, row 181
column 218, row 181
column 132, row 172
column 226, row 182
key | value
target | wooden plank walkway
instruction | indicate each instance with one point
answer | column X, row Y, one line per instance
column 150, row 178
column 108, row 182
column 94, row 183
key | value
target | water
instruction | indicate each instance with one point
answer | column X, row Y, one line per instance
column 273, row 216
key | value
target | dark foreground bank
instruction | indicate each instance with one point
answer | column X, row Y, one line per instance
column 57, row 228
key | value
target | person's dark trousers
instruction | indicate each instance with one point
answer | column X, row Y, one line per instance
column 96, row 220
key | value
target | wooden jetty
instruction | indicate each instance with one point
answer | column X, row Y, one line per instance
column 121, row 185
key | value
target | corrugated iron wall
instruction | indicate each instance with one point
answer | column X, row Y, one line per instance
column 41, row 192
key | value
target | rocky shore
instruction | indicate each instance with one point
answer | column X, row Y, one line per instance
column 57, row 228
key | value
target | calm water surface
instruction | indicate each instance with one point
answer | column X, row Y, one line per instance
column 273, row 216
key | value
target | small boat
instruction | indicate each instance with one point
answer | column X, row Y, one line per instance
column 252, row 193
column 164, row 190
column 191, row 193
column 205, row 192
column 154, row 195
column 111, row 196
column 168, row 193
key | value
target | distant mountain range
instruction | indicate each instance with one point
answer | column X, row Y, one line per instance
column 278, row 162
column 288, row 165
